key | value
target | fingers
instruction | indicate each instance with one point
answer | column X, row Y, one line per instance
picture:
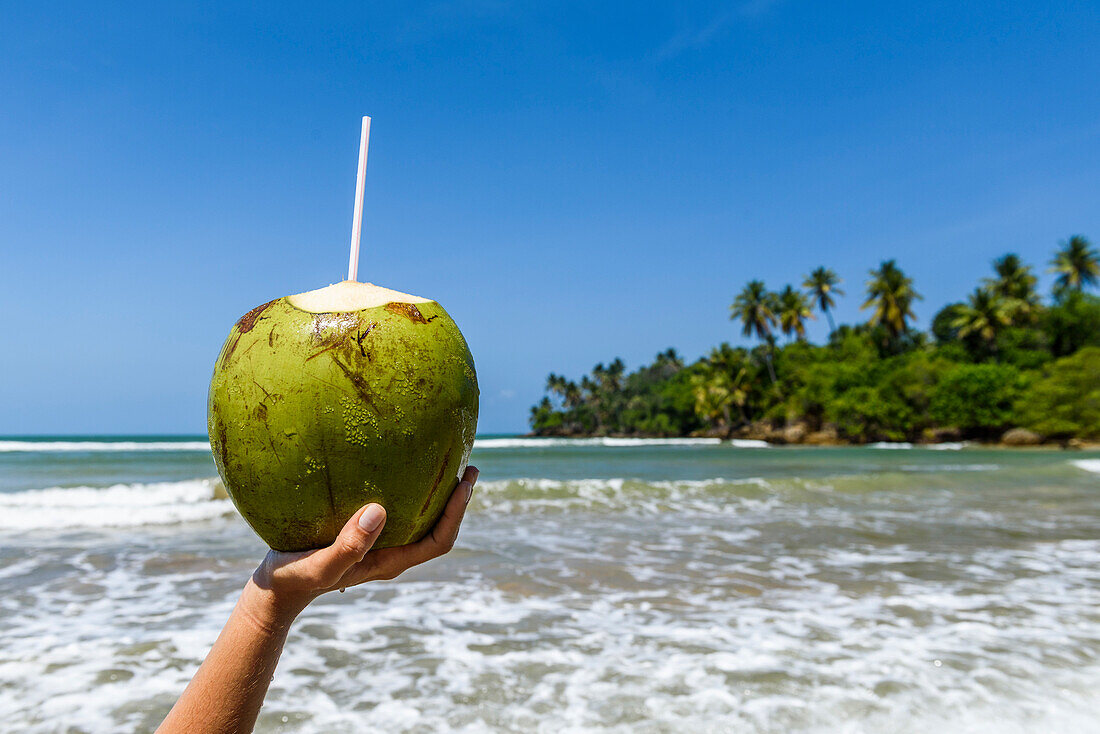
column 470, row 475
column 388, row 563
column 443, row 536
column 328, row 565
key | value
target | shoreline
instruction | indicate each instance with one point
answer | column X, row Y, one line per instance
column 779, row 437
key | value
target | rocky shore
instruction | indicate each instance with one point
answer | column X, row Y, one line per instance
column 800, row 434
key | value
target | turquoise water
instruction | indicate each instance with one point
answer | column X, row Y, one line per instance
column 602, row 585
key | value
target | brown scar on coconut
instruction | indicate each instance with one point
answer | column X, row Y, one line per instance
column 435, row 484
column 363, row 335
column 408, row 310
column 246, row 323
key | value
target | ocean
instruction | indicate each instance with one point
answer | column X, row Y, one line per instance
column 598, row 585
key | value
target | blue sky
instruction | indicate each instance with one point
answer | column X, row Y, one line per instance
column 572, row 181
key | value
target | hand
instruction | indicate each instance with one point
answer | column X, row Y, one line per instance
column 293, row 580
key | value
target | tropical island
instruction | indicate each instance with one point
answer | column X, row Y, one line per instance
column 1005, row 365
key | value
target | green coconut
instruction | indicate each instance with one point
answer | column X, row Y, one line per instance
column 324, row 401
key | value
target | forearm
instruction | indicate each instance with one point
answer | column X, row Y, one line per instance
column 227, row 691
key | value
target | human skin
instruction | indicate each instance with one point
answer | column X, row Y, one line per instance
column 228, row 689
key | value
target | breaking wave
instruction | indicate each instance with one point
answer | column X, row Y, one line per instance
column 481, row 443
column 197, row 500
column 517, row 443
column 120, row 446
column 1090, row 465
column 121, row 505
column 898, row 445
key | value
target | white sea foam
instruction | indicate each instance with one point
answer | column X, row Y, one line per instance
column 748, row 443
column 948, row 467
column 490, row 639
column 515, row 443
column 481, row 443
column 622, row 496
column 1090, row 465
column 121, row 505
column 611, row 484
column 163, row 503
column 945, row 446
column 790, row 602
column 120, row 446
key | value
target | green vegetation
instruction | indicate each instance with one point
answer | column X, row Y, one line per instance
column 999, row 360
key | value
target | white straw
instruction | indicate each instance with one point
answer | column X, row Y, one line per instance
column 357, row 220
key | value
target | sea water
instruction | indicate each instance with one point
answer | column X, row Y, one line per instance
column 598, row 585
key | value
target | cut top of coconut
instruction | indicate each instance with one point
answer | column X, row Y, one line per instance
column 348, row 295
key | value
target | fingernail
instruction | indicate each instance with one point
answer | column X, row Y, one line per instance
column 476, row 474
column 371, row 518
column 469, row 492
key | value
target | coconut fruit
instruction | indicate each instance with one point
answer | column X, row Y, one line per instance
column 324, row 401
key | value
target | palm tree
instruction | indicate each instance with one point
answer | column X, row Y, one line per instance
column 756, row 308
column 822, row 284
column 716, row 392
column 1015, row 285
column 1077, row 265
column 571, row 399
column 609, row 379
column 890, row 293
column 725, row 357
column 606, row 393
column 794, row 309
column 669, row 361
column 983, row 315
column 565, row 389
column 556, row 384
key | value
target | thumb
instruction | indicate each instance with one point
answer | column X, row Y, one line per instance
column 358, row 535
